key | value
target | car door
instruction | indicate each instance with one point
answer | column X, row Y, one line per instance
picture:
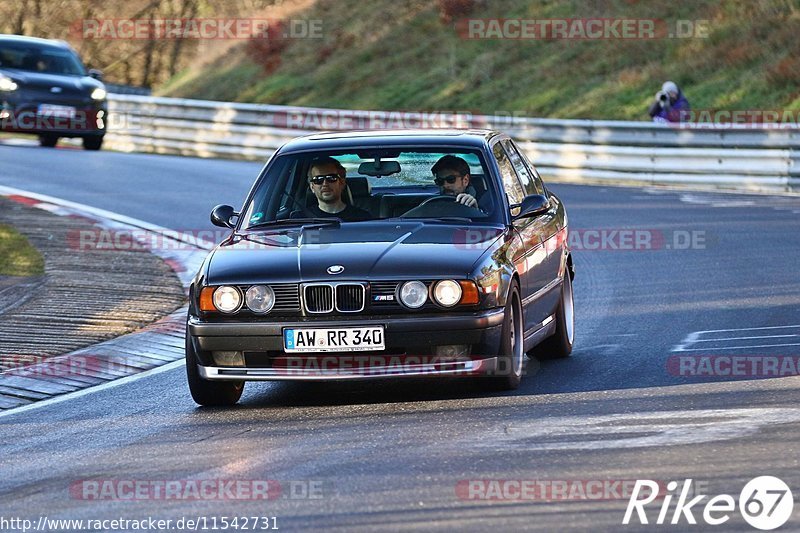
column 524, row 253
column 556, row 244
column 539, row 235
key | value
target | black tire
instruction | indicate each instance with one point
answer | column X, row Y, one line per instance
column 93, row 143
column 209, row 393
column 559, row 345
column 48, row 141
column 512, row 356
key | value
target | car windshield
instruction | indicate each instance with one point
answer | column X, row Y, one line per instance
column 434, row 185
column 45, row 60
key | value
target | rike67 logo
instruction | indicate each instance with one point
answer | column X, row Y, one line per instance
column 765, row 503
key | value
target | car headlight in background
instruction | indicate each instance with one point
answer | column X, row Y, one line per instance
column 227, row 299
column 447, row 293
column 260, row 298
column 413, row 294
column 7, row 84
column 99, row 94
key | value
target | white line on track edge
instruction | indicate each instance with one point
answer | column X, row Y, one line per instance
column 91, row 390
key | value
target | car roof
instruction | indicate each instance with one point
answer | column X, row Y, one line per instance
column 33, row 40
column 335, row 140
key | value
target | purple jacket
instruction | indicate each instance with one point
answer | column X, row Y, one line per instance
column 670, row 113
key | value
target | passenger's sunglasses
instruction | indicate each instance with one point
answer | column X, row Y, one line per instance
column 449, row 179
column 330, row 178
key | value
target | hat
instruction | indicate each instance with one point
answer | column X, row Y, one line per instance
column 670, row 87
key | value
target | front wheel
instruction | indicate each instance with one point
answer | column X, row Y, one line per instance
column 559, row 345
column 508, row 374
column 93, row 143
column 209, row 393
column 48, row 141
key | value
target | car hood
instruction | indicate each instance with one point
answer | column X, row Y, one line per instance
column 403, row 250
column 40, row 80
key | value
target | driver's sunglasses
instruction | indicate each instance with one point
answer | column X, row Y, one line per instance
column 449, row 179
column 330, row 178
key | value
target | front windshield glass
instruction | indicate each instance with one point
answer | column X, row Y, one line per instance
column 45, row 60
column 354, row 186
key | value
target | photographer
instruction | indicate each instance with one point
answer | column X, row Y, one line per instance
column 669, row 104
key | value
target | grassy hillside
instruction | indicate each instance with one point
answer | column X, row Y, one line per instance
column 403, row 54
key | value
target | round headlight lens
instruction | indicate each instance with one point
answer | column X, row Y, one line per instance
column 413, row 294
column 260, row 298
column 7, row 84
column 447, row 293
column 99, row 94
column 227, row 299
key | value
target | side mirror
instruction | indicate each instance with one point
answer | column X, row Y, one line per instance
column 96, row 74
column 221, row 216
column 532, row 206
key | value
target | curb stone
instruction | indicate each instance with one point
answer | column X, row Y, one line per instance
column 150, row 346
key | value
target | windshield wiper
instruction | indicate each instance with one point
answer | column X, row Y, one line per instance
column 318, row 221
column 459, row 220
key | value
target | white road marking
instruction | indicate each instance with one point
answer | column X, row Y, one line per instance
column 749, row 329
column 746, row 338
column 94, row 389
column 738, row 347
column 706, row 341
column 631, row 430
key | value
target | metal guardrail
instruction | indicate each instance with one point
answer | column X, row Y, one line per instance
column 128, row 89
column 565, row 149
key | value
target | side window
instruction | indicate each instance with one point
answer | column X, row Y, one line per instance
column 531, row 182
column 511, row 183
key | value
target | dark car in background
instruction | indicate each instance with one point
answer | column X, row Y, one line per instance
column 420, row 285
column 46, row 90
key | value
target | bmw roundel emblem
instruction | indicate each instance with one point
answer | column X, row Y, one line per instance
column 335, row 269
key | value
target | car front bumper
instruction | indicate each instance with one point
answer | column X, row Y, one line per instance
column 410, row 342
column 89, row 120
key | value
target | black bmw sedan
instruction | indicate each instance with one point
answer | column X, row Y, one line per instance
column 45, row 90
column 384, row 254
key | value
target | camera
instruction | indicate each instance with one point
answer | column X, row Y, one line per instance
column 663, row 97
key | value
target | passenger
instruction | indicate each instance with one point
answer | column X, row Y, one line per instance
column 451, row 174
column 326, row 179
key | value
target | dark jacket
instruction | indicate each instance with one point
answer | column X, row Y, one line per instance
column 671, row 112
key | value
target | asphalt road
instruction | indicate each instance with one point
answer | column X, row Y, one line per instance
column 389, row 456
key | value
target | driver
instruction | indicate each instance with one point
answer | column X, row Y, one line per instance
column 326, row 179
column 451, row 174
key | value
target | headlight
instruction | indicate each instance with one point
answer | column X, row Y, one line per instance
column 99, row 94
column 7, row 84
column 227, row 299
column 260, row 298
column 413, row 294
column 447, row 293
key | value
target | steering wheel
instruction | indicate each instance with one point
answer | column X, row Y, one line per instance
column 441, row 198
column 298, row 205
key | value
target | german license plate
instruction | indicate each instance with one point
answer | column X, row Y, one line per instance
column 333, row 339
column 59, row 111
